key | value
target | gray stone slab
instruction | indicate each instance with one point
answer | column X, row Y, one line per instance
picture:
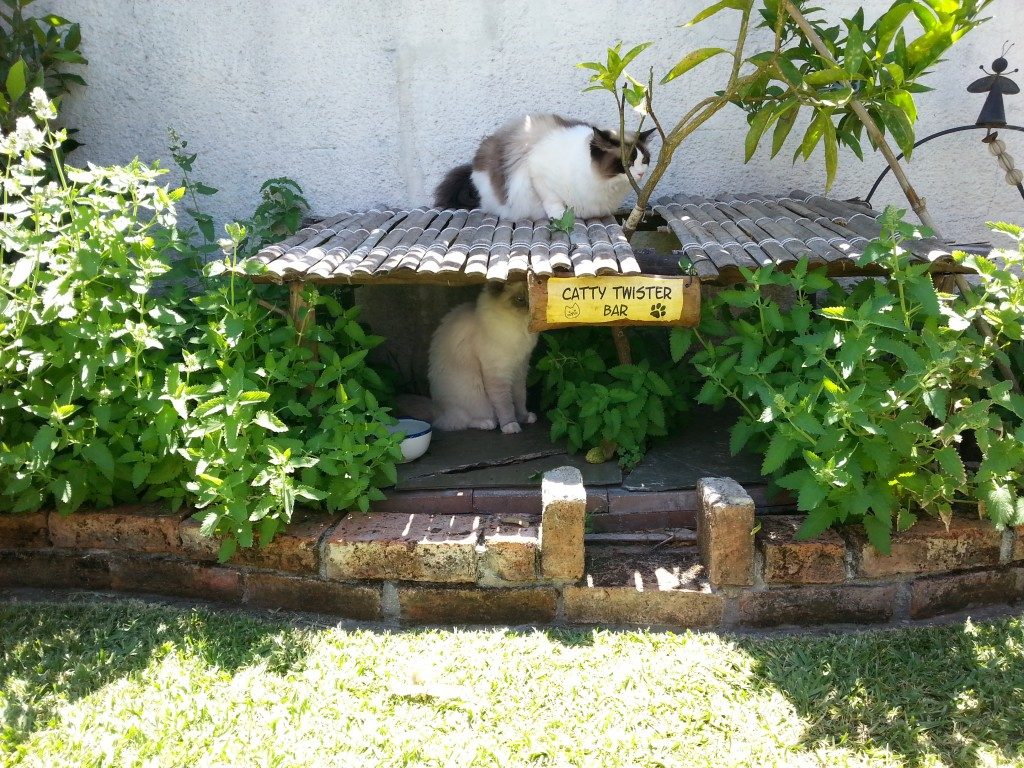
column 701, row 449
column 477, row 448
column 523, row 474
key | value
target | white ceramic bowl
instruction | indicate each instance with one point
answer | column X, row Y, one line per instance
column 417, row 437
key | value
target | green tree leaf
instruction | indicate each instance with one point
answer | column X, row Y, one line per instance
column 16, row 77
column 831, row 150
column 99, row 454
column 758, row 125
column 711, row 10
column 689, row 61
column 780, row 448
column 782, row 129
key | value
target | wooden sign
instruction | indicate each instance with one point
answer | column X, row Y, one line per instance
column 562, row 302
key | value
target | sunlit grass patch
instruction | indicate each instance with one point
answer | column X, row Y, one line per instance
column 129, row 684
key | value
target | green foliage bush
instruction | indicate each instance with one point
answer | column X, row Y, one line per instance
column 35, row 53
column 111, row 391
column 883, row 404
column 599, row 405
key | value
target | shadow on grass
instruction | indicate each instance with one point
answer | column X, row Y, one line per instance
column 927, row 696
column 66, row 651
column 926, row 693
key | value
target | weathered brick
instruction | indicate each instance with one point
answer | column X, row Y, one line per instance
column 806, row 606
column 623, row 501
column 506, row 501
column 24, row 531
column 510, row 550
column 427, row 502
column 635, row 585
column 628, row 605
column 135, row 528
column 296, row 593
column 790, row 561
column 725, row 531
column 562, row 523
column 641, row 511
column 49, row 568
column 160, row 576
column 403, row 547
column 425, row 605
column 1017, row 553
column 597, row 501
column 935, row 595
column 928, row 547
column 295, row 548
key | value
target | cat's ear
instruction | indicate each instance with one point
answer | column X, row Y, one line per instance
column 605, row 136
column 645, row 135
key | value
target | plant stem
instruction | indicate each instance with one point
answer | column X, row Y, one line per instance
column 691, row 121
column 916, row 202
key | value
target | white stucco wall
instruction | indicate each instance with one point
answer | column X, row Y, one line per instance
column 365, row 103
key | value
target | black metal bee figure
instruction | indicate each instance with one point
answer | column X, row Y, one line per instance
column 996, row 84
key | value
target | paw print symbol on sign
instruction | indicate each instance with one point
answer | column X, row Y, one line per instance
column 658, row 310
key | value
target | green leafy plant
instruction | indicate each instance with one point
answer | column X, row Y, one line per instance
column 268, row 421
column 35, row 53
column 199, row 243
column 82, row 344
column 604, row 407
column 870, row 407
column 279, row 214
column 111, row 391
column 565, row 222
column 852, row 77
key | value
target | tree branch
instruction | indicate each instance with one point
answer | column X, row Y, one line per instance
column 650, row 105
column 621, row 102
column 870, row 125
column 697, row 116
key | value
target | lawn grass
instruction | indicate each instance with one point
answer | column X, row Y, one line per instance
column 131, row 684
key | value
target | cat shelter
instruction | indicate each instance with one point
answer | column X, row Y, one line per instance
column 589, row 276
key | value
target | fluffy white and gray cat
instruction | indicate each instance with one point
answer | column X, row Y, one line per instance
column 478, row 361
column 539, row 165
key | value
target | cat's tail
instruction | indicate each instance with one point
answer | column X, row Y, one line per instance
column 457, row 190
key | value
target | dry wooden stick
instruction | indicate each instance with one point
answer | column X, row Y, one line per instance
column 267, row 305
column 622, row 345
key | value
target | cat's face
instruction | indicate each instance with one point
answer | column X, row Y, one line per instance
column 512, row 296
column 606, row 153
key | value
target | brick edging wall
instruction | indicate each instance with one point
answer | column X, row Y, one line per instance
column 488, row 574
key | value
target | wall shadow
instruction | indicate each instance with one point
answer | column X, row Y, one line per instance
column 71, row 649
column 926, row 693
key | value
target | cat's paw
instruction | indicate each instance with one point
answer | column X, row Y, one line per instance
column 530, row 417
column 511, row 428
column 483, row 424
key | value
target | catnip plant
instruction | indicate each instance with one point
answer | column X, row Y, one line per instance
column 880, row 406
column 111, row 391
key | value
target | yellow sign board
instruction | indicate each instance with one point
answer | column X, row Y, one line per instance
column 614, row 300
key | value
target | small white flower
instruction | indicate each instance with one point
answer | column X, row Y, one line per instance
column 42, row 105
column 27, row 136
column 8, row 144
column 34, row 163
